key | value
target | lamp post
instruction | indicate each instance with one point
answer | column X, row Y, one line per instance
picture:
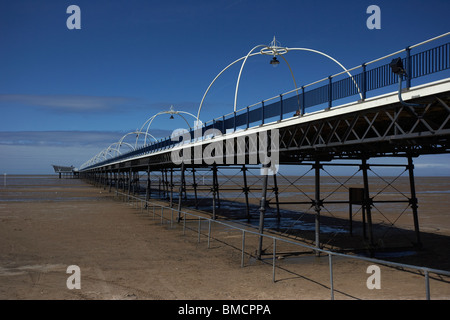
column 397, row 68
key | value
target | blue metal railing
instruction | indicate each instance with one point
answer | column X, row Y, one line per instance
column 283, row 106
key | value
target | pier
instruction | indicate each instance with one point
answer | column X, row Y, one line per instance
column 65, row 171
column 360, row 119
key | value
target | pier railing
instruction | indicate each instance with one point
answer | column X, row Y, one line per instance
column 168, row 214
column 370, row 77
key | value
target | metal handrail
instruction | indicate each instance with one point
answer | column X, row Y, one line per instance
column 426, row 271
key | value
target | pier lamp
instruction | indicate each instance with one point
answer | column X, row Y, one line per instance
column 274, row 62
column 396, row 66
column 171, row 112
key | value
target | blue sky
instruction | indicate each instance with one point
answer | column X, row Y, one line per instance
column 67, row 94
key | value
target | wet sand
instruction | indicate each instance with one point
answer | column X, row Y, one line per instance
column 127, row 253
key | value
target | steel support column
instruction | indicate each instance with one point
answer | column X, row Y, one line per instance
column 148, row 190
column 110, row 174
column 275, row 189
column 171, row 187
column 216, row 184
column 245, row 189
column 367, row 204
column 262, row 209
column 413, row 200
column 317, row 203
column 214, row 191
column 116, row 176
column 180, row 192
column 129, row 184
column 194, row 184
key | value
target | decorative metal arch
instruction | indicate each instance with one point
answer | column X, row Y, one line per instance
column 275, row 50
column 171, row 111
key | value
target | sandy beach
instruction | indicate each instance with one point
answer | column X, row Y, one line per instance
column 123, row 252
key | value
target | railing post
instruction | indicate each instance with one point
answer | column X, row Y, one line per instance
column 223, row 125
column 209, row 233
column 184, row 224
column 331, row 275
column 303, row 100
column 274, row 259
column 243, row 248
column 248, row 117
column 408, row 68
column 364, row 82
column 281, row 107
column 262, row 112
column 330, row 92
column 427, row 285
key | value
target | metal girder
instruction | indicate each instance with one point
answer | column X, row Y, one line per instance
column 392, row 129
column 382, row 131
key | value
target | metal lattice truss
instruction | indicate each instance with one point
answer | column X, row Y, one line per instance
column 393, row 129
column 386, row 131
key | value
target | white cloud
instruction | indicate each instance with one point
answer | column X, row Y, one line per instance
column 68, row 103
column 432, row 165
column 100, row 139
column 38, row 159
column 33, row 152
column 59, row 138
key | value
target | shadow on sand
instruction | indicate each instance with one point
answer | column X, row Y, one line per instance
column 389, row 242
